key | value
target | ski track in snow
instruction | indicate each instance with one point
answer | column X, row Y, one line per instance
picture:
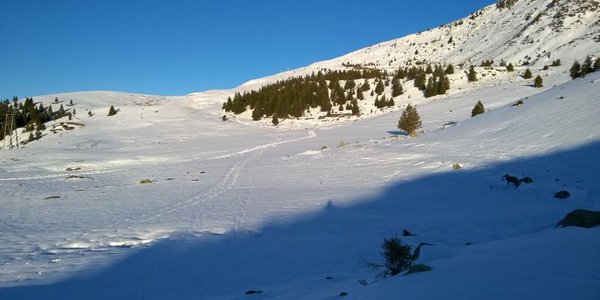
column 122, row 234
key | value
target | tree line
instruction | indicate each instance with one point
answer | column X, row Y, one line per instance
column 329, row 91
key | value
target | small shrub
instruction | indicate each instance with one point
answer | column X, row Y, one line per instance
column 562, row 194
column 456, row 166
column 112, row 111
column 516, row 181
column 478, row 109
column 518, row 103
column 396, row 255
column 146, row 181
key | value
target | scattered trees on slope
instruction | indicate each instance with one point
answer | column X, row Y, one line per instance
column 295, row 96
column 28, row 115
column 578, row 70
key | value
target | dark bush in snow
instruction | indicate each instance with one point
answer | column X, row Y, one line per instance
column 562, row 195
column 581, row 218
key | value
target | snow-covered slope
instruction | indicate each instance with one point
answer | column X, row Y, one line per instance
column 165, row 200
column 533, row 31
column 296, row 213
column 531, row 34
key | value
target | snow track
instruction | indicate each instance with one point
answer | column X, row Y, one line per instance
column 133, row 231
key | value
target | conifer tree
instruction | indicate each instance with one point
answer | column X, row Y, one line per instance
column 420, row 81
column 366, row 86
column 428, row 69
column 450, row 69
column 510, row 67
column 355, row 108
column 587, row 67
column 257, row 114
column 445, row 83
column 538, row 82
column 111, row 111
column 410, row 120
column 472, row 74
column 597, row 64
column 575, row 70
column 478, row 109
column 359, row 94
column 379, row 88
column 397, row 89
column 350, row 84
column 431, row 89
column 275, row 120
column 528, row 74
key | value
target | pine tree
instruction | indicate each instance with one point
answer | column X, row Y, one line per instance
column 597, row 64
column 472, row 74
column 360, row 95
column 450, row 69
column 420, row 81
column 410, row 120
column 397, row 89
column 257, row 114
column 275, row 120
column 428, row 69
column 39, row 126
column 510, row 67
column 355, row 108
column 528, row 74
column 431, row 89
column 539, row 82
column 587, row 67
column 379, row 88
column 366, row 86
column 478, row 109
column 350, row 84
column 575, row 70
column 111, row 111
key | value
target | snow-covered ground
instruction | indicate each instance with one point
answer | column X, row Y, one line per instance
column 297, row 211
column 235, row 207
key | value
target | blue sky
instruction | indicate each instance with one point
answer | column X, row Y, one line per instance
column 174, row 47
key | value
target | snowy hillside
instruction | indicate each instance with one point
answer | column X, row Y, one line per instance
column 166, row 200
column 532, row 34
column 534, row 31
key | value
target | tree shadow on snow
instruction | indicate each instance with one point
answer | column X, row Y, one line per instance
column 324, row 249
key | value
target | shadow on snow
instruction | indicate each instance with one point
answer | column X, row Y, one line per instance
column 448, row 209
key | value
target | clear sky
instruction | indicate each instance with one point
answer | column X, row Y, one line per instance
column 175, row 47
